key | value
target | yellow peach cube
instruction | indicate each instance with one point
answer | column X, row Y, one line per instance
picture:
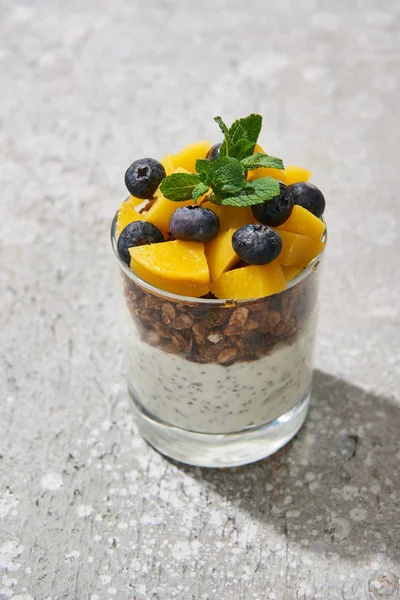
column 187, row 157
column 304, row 222
column 298, row 250
column 178, row 267
column 253, row 281
column 168, row 164
column 232, row 216
column 220, row 254
column 127, row 213
column 295, row 174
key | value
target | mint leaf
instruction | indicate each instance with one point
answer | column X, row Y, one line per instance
column 222, row 125
column 256, row 192
column 205, row 169
column 199, row 190
column 179, row 186
column 241, row 137
column 248, row 129
column 228, row 146
column 257, row 160
column 244, row 148
column 229, row 176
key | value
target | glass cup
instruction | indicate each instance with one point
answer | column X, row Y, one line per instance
column 218, row 383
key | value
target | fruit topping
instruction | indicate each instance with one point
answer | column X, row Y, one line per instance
column 137, row 233
column 213, row 152
column 178, row 267
column 232, row 216
column 309, row 196
column 304, row 222
column 220, row 254
column 266, row 171
column 187, row 157
column 295, row 174
column 254, row 281
column 162, row 209
column 194, row 223
column 168, row 164
column 127, row 213
column 275, row 212
column 298, row 250
column 143, row 177
column 256, row 244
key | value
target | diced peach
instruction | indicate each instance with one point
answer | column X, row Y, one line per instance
column 290, row 273
column 298, row 250
column 220, row 255
column 253, row 281
column 168, row 164
column 232, row 216
column 127, row 213
column 295, row 174
column 304, row 222
column 187, row 157
column 161, row 211
column 178, row 267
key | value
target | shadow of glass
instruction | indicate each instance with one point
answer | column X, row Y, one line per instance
column 336, row 485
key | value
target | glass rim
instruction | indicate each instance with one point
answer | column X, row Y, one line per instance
column 312, row 266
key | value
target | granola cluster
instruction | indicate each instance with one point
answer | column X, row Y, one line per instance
column 223, row 334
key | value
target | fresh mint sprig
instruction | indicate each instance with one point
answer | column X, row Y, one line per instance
column 226, row 177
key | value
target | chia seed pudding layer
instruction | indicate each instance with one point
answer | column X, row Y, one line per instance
column 218, row 369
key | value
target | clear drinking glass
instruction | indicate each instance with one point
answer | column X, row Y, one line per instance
column 218, row 383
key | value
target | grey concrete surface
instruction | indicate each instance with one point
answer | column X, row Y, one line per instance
column 87, row 509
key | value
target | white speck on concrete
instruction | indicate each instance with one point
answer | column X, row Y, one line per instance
column 10, row 551
column 8, row 504
column 83, row 511
column 358, row 514
column 51, row 482
column 350, row 492
column 70, row 556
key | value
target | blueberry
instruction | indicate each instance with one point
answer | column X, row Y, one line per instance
column 194, row 223
column 257, row 244
column 308, row 196
column 143, row 177
column 213, row 152
column 276, row 211
column 137, row 233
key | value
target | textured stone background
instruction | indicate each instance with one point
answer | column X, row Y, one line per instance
column 87, row 510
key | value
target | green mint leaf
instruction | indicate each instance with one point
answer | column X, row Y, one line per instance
column 228, row 146
column 244, row 148
column 222, row 125
column 257, row 160
column 179, row 186
column 199, row 190
column 248, row 128
column 256, row 192
column 229, row 176
column 241, row 137
column 205, row 169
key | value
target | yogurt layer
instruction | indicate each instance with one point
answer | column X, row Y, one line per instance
column 210, row 398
